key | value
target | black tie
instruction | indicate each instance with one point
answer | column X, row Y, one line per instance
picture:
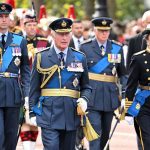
column 61, row 58
column 3, row 40
column 78, row 43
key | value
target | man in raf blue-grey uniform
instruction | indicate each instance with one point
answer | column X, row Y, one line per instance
column 106, row 65
column 59, row 82
column 14, row 80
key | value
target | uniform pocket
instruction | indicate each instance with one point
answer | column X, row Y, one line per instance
column 114, row 93
column 45, row 118
column 93, row 94
column 17, row 91
column 91, row 62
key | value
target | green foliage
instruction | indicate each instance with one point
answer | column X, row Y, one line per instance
column 125, row 9
column 129, row 9
column 60, row 8
column 22, row 3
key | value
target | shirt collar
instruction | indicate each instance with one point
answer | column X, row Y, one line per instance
column 76, row 39
column 100, row 44
column 58, row 51
column 6, row 33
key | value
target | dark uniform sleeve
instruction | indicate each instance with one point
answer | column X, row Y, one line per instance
column 85, row 87
column 132, row 82
column 130, row 51
column 35, row 90
column 24, row 69
column 122, row 74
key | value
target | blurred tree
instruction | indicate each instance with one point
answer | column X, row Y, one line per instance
column 127, row 10
column 111, row 5
column 88, row 6
column 117, row 9
column 22, row 3
column 37, row 4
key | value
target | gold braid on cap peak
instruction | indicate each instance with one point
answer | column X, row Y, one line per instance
column 47, row 71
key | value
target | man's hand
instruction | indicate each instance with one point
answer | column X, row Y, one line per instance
column 33, row 121
column 82, row 106
column 122, row 104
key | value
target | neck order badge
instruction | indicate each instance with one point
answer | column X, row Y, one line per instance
column 102, row 50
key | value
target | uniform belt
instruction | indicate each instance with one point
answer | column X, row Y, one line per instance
column 8, row 75
column 60, row 92
column 144, row 87
column 101, row 77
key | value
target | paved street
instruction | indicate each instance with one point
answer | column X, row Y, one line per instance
column 124, row 138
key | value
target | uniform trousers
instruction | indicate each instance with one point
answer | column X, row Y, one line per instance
column 143, row 120
column 58, row 139
column 101, row 122
column 9, row 122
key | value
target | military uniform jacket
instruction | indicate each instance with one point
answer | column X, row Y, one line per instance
column 136, row 44
column 105, row 95
column 38, row 42
column 11, row 88
column 59, row 112
column 139, row 74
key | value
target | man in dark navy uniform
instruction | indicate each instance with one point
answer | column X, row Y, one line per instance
column 59, row 81
column 136, row 44
column 139, row 77
column 106, row 65
column 14, row 79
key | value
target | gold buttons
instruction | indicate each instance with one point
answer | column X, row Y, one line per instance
column 145, row 62
column 147, row 70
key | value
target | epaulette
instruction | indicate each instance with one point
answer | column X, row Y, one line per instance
column 42, row 38
column 138, row 53
column 77, row 51
column 116, row 42
column 42, row 50
column 86, row 41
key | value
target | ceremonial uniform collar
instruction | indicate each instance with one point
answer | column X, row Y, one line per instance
column 102, row 44
column 76, row 39
column 6, row 34
column 58, row 51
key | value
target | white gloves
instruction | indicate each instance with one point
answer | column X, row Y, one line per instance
column 123, row 103
column 129, row 120
column 26, row 103
column 33, row 121
column 82, row 103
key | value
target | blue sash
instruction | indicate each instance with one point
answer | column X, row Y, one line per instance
column 103, row 63
column 54, row 81
column 138, row 101
column 37, row 109
column 65, row 74
column 7, row 56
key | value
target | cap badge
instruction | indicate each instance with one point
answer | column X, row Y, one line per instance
column 137, row 106
column 3, row 7
column 104, row 22
column 63, row 24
